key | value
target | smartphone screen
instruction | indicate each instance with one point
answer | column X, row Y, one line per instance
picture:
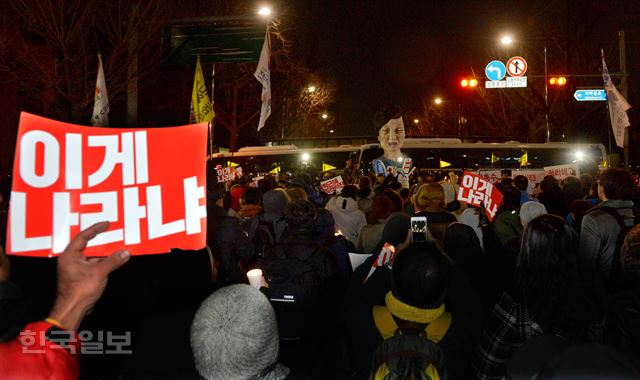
column 419, row 228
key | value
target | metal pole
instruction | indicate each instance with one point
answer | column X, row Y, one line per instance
column 624, row 86
column 459, row 121
column 546, row 94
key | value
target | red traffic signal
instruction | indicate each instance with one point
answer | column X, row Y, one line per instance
column 557, row 81
column 469, row 83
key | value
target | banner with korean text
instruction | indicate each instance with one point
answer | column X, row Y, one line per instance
column 477, row 191
column 561, row 172
column 332, row 185
column 149, row 183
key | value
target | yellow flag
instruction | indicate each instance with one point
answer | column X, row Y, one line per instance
column 494, row 158
column 444, row 164
column 201, row 107
column 524, row 160
column 276, row 170
column 326, row 167
column 232, row 164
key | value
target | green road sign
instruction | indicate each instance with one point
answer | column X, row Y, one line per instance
column 214, row 44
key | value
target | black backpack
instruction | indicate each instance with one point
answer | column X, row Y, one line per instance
column 295, row 288
column 409, row 357
column 624, row 231
column 262, row 234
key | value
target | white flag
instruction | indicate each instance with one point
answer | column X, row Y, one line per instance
column 100, row 116
column 263, row 75
column 618, row 106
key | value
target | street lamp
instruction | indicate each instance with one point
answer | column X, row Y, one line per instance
column 437, row 101
column 507, row 40
column 325, row 116
column 264, row 11
column 311, row 88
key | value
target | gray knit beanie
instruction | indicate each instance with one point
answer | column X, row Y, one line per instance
column 531, row 210
column 234, row 334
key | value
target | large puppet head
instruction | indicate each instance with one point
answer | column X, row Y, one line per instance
column 389, row 123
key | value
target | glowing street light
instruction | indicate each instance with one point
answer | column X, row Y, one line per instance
column 506, row 40
column 416, row 121
column 331, row 131
column 325, row 116
column 264, row 11
column 311, row 88
column 437, row 101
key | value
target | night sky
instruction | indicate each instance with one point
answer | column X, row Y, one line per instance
column 382, row 51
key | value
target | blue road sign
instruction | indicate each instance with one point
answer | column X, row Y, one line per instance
column 593, row 95
column 495, row 70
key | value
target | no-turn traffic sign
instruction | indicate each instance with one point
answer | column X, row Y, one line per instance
column 516, row 66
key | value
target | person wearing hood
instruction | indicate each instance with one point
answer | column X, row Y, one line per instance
column 336, row 243
column 274, row 203
column 304, row 281
column 348, row 217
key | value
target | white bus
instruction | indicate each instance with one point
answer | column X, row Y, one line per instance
column 258, row 160
column 428, row 153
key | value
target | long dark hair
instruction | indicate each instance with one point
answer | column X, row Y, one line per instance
column 548, row 277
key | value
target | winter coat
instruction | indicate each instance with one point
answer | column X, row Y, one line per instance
column 369, row 236
column 349, row 218
column 599, row 235
column 231, row 246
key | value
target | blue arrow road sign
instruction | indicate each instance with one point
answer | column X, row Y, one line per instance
column 495, row 70
column 590, row 95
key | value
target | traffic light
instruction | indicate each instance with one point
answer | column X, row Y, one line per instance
column 557, row 81
column 469, row 83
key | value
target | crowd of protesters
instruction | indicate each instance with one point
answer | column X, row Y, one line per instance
column 550, row 286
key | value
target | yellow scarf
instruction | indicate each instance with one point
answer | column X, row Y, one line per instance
column 411, row 313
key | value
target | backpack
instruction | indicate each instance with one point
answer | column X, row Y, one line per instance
column 624, row 231
column 262, row 234
column 410, row 350
column 295, row 289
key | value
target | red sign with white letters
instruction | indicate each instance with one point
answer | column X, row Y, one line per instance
column 149, row 183
column 477, row 191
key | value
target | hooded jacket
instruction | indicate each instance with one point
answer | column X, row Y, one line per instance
column 349, row 218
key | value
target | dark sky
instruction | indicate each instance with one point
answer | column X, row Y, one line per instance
column 381, row 51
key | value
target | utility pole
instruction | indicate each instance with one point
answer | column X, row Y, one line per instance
column 624, row 87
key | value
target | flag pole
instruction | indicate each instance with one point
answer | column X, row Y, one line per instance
column 213, row 75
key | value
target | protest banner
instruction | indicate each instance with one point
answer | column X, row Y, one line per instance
column 561, row 172
column 534, row 177
column 331, row 185
column 477, row 191
column 493, row 176
column 226, row 174
column 148, row 183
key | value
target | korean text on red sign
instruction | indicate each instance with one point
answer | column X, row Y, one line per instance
column 477, row 191
column 149, row 183
column 225, row 174
column 331, row 185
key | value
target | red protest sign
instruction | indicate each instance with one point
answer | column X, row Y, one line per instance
column 149, row 183
column 225, row 174
column 477, row 191
column 331, row 185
